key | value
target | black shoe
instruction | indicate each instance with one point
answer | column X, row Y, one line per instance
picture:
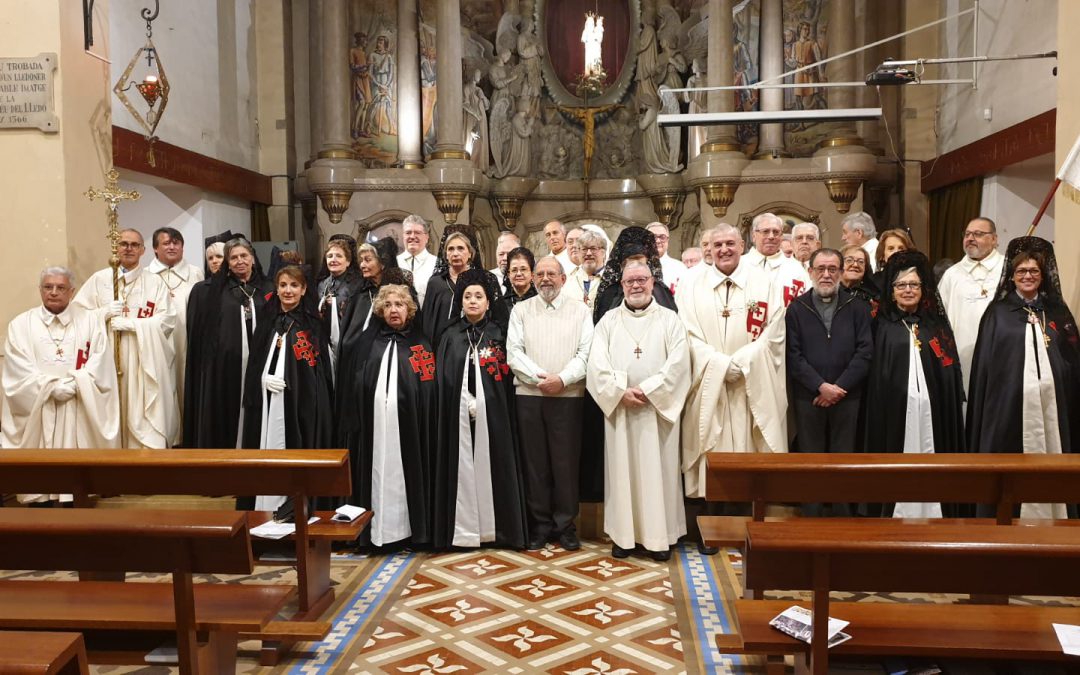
column 537, row 542
column 661, row 556
column 569, row 541
column 707, row 550
column 620, row 552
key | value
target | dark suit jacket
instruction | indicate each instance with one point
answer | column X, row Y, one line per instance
column 840, row 356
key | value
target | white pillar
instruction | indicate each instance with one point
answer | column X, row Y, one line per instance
column 771, row 136
column 448, row 144
column 721, row 72
column 408, row 86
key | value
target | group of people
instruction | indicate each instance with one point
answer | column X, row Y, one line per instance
column 480, row 407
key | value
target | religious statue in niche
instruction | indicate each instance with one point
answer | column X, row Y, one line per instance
column 361, row 77
column 503, row 78
column 518, row 157
column 530, row 51
column 475, row 105
column 647, row 59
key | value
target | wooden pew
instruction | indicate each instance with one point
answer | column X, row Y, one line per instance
column 1003, row 480
column 205, row 618
column 297, row 473
column 33, row 653
column 882, row 555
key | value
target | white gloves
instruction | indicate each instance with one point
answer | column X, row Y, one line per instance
column 734, row 373
column 64, row 389
column 471, row 406
column 114, row 309
column 120, row 323
column 273, row 384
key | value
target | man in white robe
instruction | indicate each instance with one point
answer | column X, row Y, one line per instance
column 508, row 241
column 639, row 375
column 179, row 276
column 734, row 316
column 805, row 239
column 59, row 381
column 858, row 229
column 555, row 236
column 416, row 258
column 672, row 268
column 143, row 321
column 788, row 273
column 967, row 287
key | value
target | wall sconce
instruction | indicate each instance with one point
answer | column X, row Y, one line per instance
column 153, row 87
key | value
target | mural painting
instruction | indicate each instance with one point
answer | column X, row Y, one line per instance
column 806, row 26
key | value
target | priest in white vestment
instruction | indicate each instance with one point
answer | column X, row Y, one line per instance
column 734, row 316
column 968, row 287
column 788, row 273
column 59, row 381
column 639, row 375
column 143, row 321
column 179, row 276
column 858, row 229
column 672, row 269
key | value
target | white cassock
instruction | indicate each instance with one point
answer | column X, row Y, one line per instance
column 43, row 350
column 179, row 279
column 789, row 273
column 148, row 387
column 673, row 271
column 421, row 266
column 966, row 289
column 643, row 501
column 581, row 287
column 497, row 271
column 871, row 251
column 564, row 260
column 733, row 324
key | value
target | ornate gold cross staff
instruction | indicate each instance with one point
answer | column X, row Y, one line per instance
column 112, row 195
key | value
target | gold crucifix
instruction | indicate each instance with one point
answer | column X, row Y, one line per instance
column 112, row 195
column 587, row 117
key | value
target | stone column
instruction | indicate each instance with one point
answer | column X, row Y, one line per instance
column 448, row 144
column 867, row 31
column 721, row 74
column 315, row 95
column 771, row 136
column 336, row 85
column 841, row 39
column 408, row 86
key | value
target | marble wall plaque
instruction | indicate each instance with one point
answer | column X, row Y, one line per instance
column 26, row 93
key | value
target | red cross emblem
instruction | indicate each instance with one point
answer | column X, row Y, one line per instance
column 303, row 350
column 793, row 291
column 494, row 361
column 943, row 356
column 422, row 362
column 82, row 357
column 757, row 313
column 146, row 312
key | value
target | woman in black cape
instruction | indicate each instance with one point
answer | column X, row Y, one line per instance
column 457, row 252
column 479, row 491
column 287, row 390
column 912, row 320
column 632, row 243
column 397, row 424
column 337, row 284
column 223, row 314
column 517, row 285
column 1026, row 364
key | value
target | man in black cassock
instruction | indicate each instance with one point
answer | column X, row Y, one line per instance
column 223, row 313
column 479, row 493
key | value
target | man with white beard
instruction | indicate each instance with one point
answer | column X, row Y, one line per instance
column 788, row 273
column 59, row 380
column 639, row 375
column 547, row 347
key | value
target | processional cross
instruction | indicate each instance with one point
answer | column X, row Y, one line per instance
column 112, row 195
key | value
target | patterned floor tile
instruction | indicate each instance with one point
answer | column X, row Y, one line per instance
column 599, row 663
column 420, row 585
column 605, row 569
column 602, row 612
column 460, row 610
column 435, row 661
column 477, row 567
column 524, row 638
column 537, row 587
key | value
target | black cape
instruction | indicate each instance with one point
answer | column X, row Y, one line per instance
column 886, row 389
column 212, row 397
column 508, row 489
column 995, row 415
column 417, row 424
column 500, row 310
column 442, row 307
column 308, row 407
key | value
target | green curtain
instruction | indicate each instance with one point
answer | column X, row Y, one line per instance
column 260, row 222
column 951, row 207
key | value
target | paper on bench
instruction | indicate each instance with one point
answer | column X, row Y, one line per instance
column 275, row 530
column 798, row 623
column 1069, row 637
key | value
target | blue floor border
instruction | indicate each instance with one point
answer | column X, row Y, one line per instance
column 706, row 604
column 351, row 619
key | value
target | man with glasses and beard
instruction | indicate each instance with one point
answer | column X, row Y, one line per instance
column 829, row 347
column 968, row 287
column 548, row 349
column 585, row 279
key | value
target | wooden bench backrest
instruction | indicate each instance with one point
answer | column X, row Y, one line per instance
column 317, row 473
column 882, row 555
column 1002, row 479
column 108, row 540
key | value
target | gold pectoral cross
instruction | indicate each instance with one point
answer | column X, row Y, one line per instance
column 915, row 335
column 638, row 352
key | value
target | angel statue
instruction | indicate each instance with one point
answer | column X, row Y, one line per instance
column 530, row 52
column 659, row 156
column 475, row 105
column 502, row 78
column 519, row 155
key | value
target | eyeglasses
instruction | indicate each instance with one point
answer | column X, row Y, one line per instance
column 857, row 262
column 1034, row 273
column 129, row 244
column 907, row 285
column 831, row 269
column 636, row 281
column 770, row 233
column 590, row 249
column 976, row 234
column 662, row 237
